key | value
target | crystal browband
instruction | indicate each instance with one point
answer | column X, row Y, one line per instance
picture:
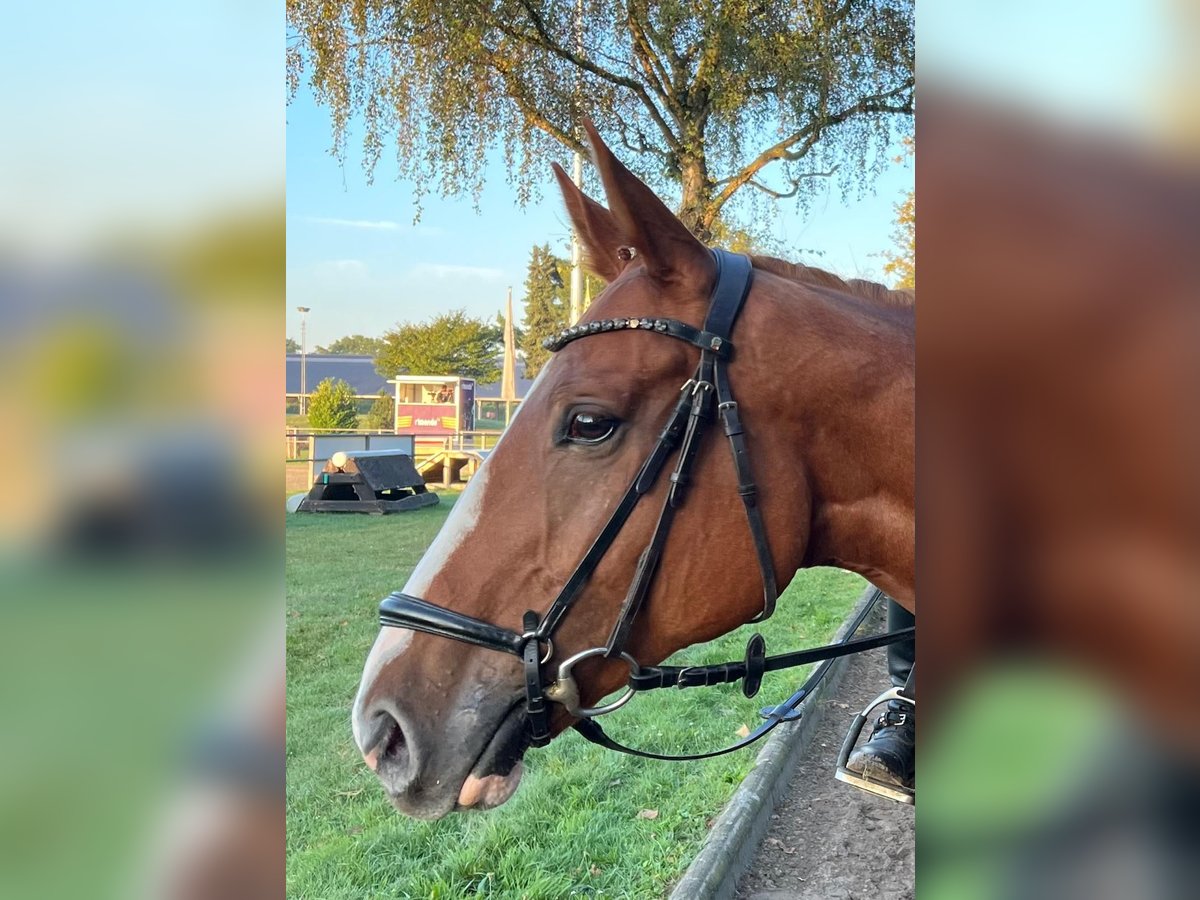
column 671, row 327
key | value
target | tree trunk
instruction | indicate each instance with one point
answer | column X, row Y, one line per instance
column 697, row 197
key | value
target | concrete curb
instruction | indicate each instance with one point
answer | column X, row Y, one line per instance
column 734, row 837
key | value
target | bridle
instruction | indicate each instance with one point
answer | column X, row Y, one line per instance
column 682, row 432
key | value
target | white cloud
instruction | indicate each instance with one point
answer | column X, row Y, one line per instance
column 372, row 225
column 381, row 224
column 444, row 270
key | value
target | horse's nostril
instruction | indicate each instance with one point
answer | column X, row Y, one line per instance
column 393, row 743
column 386, row 744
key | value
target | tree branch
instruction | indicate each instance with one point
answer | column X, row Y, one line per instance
column 795, row 181
column 641, row 146
column 651, row 64
column 795, row 146
column 502, row 64
column 709, row 54
column 517, row 92
column 548, row 42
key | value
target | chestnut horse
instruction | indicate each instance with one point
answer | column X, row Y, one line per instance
column 824, row 370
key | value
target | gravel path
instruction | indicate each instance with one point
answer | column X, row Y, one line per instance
column 828, row 840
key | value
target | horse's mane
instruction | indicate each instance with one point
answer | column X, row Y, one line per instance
column 870, row 291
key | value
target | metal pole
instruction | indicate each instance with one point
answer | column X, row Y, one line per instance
column 303, row 310
column 576, row 249
column 577, row 257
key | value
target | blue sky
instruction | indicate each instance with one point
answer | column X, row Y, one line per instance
column 135, row 115
column 355, row 258
column 1102, row 64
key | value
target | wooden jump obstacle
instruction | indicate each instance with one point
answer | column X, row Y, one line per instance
column 368, row 481
column 450, row 467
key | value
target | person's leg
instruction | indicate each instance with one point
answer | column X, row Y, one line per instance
column 890, row 753
column 902, row 654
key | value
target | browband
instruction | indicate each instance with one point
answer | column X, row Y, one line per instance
column 705, row 340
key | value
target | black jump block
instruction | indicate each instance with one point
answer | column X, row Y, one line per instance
column 369, row 481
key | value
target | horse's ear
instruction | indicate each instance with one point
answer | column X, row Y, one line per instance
column 598, row 232
column 670, row 252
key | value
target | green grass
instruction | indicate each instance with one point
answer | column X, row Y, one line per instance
column 108, row 669
column 573, row 828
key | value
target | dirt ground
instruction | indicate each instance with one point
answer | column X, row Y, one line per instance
column 296, row 477
column 828, row 840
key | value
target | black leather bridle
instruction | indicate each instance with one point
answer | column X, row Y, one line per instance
column 682, row 432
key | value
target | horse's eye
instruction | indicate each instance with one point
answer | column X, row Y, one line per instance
column 590, row 428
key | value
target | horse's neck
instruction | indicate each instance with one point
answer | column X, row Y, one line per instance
column 847, row 406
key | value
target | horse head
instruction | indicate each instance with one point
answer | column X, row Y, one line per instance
column 443, row 723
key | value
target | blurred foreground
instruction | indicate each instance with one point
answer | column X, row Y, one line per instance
column 1059, row 354
column 141, row 299
column 139, row 542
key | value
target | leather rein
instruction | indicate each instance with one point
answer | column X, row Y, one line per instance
column 680, row 435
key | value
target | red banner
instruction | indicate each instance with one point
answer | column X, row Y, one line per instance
column 426, row 418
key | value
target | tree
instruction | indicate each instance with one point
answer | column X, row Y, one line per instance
column 547, row 307
column 448, row 344
column 353, row 345
column 292, row 346
column 332, row 405
column 902, row 261
column 518, row 331
column 547, row 304
column 707, row 98
column 382, row 414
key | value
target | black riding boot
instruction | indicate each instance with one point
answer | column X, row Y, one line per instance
column 889, row 755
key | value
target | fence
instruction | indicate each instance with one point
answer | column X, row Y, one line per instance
column 299, row 441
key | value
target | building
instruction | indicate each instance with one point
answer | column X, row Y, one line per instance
column 359, row 372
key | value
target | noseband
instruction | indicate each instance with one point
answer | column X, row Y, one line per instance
column 682, row 432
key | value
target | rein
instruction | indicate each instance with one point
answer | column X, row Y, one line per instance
column 681, row 435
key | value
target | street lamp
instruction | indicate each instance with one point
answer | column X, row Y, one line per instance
column 303, row 310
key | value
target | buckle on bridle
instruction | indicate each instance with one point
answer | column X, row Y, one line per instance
column 527, row 636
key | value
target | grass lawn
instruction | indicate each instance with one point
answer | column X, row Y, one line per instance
column 585, row 822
